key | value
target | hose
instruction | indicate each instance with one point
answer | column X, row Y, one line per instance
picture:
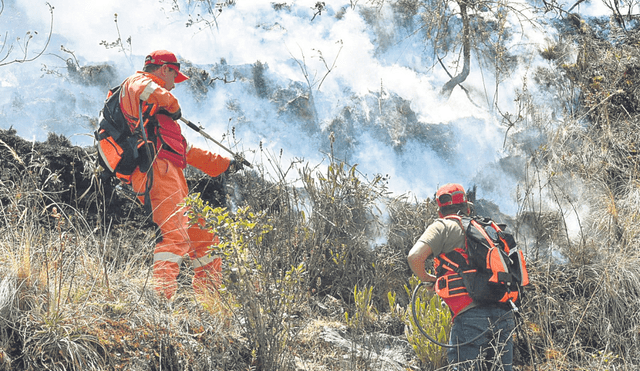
column 415, row 320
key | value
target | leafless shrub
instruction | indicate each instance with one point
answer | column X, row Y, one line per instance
column 26, row 54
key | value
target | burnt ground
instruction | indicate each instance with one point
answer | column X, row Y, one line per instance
column 65, row 176
column 74, row 171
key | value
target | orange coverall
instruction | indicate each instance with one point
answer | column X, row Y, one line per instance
column 169, row 188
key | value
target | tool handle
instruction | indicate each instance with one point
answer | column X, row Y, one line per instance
column 204, row 134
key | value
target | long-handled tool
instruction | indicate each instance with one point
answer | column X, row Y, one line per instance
column 204, row 134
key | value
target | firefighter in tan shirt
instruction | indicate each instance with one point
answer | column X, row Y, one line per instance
column 445, row 236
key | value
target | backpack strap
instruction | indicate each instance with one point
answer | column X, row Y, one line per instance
column 147, row 199
column 458, row 218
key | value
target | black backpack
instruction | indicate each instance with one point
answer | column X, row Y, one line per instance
column 492, row 268
column 121, row 150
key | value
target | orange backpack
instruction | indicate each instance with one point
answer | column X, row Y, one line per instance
column 489, row 269
column 121, row 150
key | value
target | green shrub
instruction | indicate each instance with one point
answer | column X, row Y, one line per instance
column 365, row 313
column 435, row 319
column 266, row 294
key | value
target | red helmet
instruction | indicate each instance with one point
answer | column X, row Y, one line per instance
column 450, row 194
column 162, row 57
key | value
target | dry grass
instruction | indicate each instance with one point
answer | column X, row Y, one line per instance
column 77, row 296
column 74, row 280
column 582, row 309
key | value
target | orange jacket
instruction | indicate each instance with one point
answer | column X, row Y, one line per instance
column 148, row 88
column 211, row 164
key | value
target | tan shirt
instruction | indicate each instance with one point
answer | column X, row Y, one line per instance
column 443, row 235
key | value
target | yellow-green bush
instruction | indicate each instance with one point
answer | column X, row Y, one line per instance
column 266, row 293
column 365, row 313
column 434, row 318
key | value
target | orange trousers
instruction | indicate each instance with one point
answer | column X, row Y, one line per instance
column 169, row 188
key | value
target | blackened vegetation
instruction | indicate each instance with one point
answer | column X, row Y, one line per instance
column 55, row 165
column 281, row 6
column 199, row 81
column 71, row 175
column 259, row 81
column 389, row 119
column 65, row 176
column 103, row 75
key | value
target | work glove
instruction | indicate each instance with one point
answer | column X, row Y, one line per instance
column 174, row 116
column 235, row 164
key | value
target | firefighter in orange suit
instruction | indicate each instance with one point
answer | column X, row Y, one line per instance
column 149, row 90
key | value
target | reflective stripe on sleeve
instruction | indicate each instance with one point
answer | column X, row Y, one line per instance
column 201, row 262
column 148, row 90
column 167, row 257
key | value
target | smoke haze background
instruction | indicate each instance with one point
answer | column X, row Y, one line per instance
column 380, row 98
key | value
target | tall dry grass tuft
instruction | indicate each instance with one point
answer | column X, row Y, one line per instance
column 581, row 197
column 343, row 219
column 41, row 247
column 75, row 292
column 578, row 311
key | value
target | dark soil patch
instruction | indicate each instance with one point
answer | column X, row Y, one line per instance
column 67, row 175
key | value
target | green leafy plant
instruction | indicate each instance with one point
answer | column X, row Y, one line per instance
column 266, row 294
column 435, row 319
column 365, row 313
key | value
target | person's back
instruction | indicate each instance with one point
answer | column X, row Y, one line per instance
column 444, row 239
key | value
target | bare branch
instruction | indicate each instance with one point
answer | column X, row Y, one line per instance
column 329, row 69
column 466, row 51
column 25, row 46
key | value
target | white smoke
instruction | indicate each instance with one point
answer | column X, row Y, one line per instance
column 346, row 59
